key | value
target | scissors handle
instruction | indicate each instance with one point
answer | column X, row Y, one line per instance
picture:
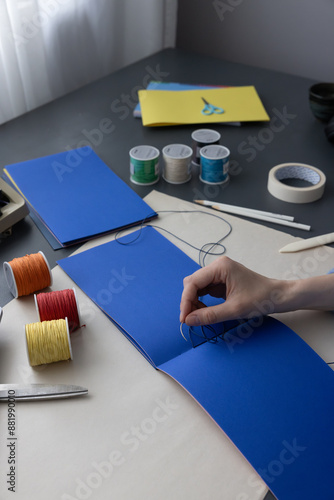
column 209, row 109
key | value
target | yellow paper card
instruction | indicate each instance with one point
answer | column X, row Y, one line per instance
column 168, row 107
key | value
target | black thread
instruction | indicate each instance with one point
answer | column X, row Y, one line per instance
column 202, row 252
column 213, row 339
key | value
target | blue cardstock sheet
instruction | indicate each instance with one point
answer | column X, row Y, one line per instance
column 258, row 380
column 76, row 196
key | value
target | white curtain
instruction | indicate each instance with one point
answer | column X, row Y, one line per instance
column 50, row 47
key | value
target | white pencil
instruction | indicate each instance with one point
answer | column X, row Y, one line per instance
column 246, row 211
column 274, row 220
column 242, row 211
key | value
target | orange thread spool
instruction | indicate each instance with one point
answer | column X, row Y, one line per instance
column 25, row 275
column 59, row 305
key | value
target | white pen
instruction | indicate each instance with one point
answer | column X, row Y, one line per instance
column 317, row 241
column 273, row 220
column 243, row 210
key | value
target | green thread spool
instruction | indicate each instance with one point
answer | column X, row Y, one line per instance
column 144, row 165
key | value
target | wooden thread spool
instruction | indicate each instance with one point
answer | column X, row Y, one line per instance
column 48, row 342
column 28, row 274
column 59, row 305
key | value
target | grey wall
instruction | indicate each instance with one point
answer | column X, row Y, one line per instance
column 294, row 36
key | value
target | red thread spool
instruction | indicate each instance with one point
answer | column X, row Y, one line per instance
column 59, row 305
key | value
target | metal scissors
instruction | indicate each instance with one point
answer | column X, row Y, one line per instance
column 209, row 109
column 36, row 392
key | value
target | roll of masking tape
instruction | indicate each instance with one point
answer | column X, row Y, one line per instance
column 300, row 171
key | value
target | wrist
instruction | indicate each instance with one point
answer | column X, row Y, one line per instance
column 315, row 293
column 284, row 295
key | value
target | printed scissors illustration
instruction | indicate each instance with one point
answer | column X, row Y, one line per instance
column 209, row 109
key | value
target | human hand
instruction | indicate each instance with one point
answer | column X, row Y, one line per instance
column 243, row 290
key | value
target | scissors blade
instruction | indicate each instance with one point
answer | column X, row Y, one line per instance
column 35, row 392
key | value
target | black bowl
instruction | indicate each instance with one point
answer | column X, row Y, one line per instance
column 321, row 99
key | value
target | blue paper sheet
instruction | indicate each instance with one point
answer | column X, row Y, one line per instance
column 77, row 196
column 263, row 385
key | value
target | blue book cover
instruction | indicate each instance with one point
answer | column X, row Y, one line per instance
column 258, row 380
column 76, row 196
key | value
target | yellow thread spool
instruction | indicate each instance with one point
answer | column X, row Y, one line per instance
column 48, row 342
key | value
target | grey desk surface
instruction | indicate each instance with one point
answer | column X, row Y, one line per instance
column 100, row 114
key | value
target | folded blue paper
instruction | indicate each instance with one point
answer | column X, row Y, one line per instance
column 76, row 196
column 262, row 384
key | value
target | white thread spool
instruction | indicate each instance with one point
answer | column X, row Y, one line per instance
column 177, row 163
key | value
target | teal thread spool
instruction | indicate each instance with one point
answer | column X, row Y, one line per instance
column 144, row 165
column 214, row 164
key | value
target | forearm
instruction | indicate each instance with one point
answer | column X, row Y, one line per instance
column 310, row 293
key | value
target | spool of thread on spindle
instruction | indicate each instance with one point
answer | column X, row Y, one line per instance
column 144, row 165
column 177, row 163
column 200, row 138
column 59, row 305
column 214, row 164
column 48, row 342
column 28, row 274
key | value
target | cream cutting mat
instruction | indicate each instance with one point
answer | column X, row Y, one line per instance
column 138, row 434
